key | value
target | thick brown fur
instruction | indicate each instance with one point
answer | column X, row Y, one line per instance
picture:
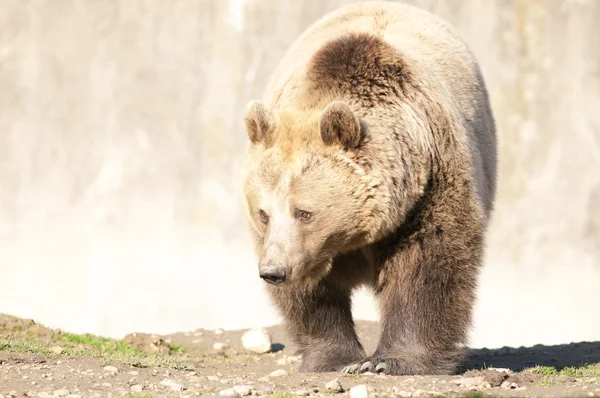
column 385, row 133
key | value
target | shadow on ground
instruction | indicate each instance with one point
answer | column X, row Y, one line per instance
column 517, row 359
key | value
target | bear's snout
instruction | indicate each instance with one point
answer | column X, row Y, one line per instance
column 272, row 274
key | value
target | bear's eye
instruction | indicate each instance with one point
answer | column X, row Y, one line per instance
column 303, row 215
column 263, row 216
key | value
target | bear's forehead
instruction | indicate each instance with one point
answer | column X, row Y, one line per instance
column 296, row 133
column 280, row 172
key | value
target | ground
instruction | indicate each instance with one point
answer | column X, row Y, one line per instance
column 38, row 361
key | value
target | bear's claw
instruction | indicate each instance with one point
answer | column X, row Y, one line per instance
column 351, row 368
column 378, row 365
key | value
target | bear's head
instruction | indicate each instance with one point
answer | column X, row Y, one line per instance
column 305, row 194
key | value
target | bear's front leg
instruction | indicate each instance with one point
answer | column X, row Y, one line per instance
column 319, row 320
column 427, row 291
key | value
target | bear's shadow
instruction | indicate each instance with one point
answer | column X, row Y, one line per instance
column 518, row 359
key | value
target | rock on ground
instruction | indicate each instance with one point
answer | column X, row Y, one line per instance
column 359, row 391
column 257, row 340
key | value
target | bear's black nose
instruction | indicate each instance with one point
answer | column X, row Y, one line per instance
column 273, row 275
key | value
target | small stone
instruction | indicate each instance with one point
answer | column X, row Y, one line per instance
column 505, row 384
column 213, row 378
column 230, row 392
column 302, row 393
column 63, row 392
column 501, row 370
column 107, row 385
column 278, row 373
column 220, row 347
column 591, row 394
column 134, row 373
column 294, row 359
column 401, row 393
column 334, row 386
column 242, row 391
column 111, row 369
column 136, row 388
column 359, row 391
column 266, row 390
column 257, row 340
column 282, row 361
column 57, row 349
column 472, row 383
column 173, row 384
column 219, row 331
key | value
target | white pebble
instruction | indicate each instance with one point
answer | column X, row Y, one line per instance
column 242, row 391
column 257, row 340
column 359, row 391
column 219, row 331
column 136, row 388
column 334, row 386
column 173, row 384
column 63, row 392
column 220, row 347
column 403, row 394
column 134, row 373
column 230, row 392
column 111, row 369
column 278, row 373
column 282, row 361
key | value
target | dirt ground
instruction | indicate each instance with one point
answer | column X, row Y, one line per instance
column 39, row 362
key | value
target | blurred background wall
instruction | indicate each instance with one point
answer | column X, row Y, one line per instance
column 120, row 143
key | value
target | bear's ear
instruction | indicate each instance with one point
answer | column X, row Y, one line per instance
column 339, row 125
column 259, row 122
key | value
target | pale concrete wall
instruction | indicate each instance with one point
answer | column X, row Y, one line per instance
column 121, row 136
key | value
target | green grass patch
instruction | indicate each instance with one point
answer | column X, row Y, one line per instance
column 544, row 370
column 547, row 381
column 570, row 371
column 19, row 346
column 176, row 347
column 109, row 353
column 102, row 345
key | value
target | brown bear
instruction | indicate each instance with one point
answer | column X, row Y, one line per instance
column 372, row 162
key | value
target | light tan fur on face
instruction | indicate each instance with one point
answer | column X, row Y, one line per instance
column 292, row 168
